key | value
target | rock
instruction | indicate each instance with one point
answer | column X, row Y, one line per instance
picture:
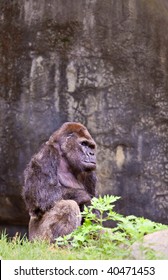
column 156, row 241
column 102, row 63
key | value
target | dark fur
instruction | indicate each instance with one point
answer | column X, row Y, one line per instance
column 63, row 169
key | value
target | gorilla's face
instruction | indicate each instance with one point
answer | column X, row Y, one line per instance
column 79, row 149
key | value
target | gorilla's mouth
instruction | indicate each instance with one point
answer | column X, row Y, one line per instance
column 90, row 162
column 89, row 165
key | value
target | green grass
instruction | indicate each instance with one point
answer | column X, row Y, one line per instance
column 22, row 249
column 91, row 241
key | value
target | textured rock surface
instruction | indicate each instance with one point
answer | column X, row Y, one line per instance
column 103, row 63
column 157, row 242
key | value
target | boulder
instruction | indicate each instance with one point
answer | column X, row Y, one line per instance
column 154, row 244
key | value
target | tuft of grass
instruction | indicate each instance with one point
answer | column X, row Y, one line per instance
column 90, row 241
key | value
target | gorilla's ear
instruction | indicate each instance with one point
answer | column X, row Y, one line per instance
column 54, row 142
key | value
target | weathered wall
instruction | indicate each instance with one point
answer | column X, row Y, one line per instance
column 103, row 63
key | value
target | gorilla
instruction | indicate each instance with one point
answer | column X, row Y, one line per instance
column 59, row 180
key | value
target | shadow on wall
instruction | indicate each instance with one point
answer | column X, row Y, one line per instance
column 12, row 231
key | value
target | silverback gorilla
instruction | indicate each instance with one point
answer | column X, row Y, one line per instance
column 59, row 180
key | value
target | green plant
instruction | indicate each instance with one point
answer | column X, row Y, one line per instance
column 93, row 234
column 90, row 230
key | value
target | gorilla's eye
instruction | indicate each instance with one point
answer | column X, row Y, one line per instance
column 84, row 143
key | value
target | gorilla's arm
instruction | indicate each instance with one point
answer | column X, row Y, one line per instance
column 41, row 188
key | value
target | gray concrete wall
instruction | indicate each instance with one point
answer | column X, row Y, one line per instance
column 102, row 63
